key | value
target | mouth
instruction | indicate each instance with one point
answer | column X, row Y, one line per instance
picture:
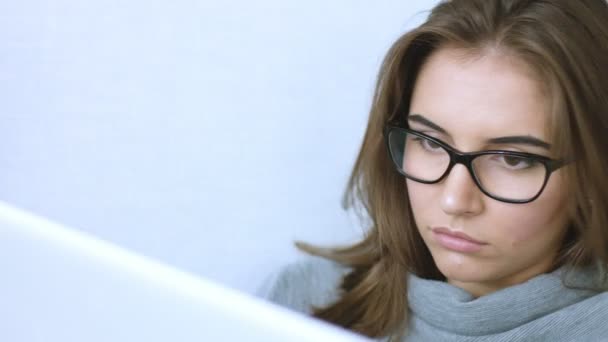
column 456, row 241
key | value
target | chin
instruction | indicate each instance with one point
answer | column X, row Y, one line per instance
column 461, row 267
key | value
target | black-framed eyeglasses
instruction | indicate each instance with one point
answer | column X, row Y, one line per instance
column 507, row 176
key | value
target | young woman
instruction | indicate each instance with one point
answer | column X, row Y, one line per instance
column 483, row 173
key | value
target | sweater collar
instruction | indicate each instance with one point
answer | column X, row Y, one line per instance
column 453, row 309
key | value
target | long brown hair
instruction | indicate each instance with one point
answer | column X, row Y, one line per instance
column 566, row 43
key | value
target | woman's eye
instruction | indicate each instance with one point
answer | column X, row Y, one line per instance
column 429, row 145
column 514, row 162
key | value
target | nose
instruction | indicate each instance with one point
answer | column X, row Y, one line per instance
column 460, row 195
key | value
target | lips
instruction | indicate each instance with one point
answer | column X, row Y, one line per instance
column 456, row 234
column 456, row 241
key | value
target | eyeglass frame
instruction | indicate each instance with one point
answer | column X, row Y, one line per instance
column 466, row 159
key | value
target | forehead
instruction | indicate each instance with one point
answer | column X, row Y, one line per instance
column 480, row 97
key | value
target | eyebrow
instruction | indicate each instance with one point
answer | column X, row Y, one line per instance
column 516, row 139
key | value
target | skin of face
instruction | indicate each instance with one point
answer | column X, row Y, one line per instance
column 475, row 99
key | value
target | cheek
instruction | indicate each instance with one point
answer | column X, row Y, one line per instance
column 524, row 226
column 420, row 197
column 541, row 220
column 424, row 203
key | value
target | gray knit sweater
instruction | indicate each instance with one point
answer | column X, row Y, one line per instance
column 540, row 309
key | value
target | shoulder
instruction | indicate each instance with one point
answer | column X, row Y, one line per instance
column 313, row 281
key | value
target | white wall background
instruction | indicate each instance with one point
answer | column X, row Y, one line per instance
column 208, row 134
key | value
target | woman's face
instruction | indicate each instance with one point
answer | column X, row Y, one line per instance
column 474, row 100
